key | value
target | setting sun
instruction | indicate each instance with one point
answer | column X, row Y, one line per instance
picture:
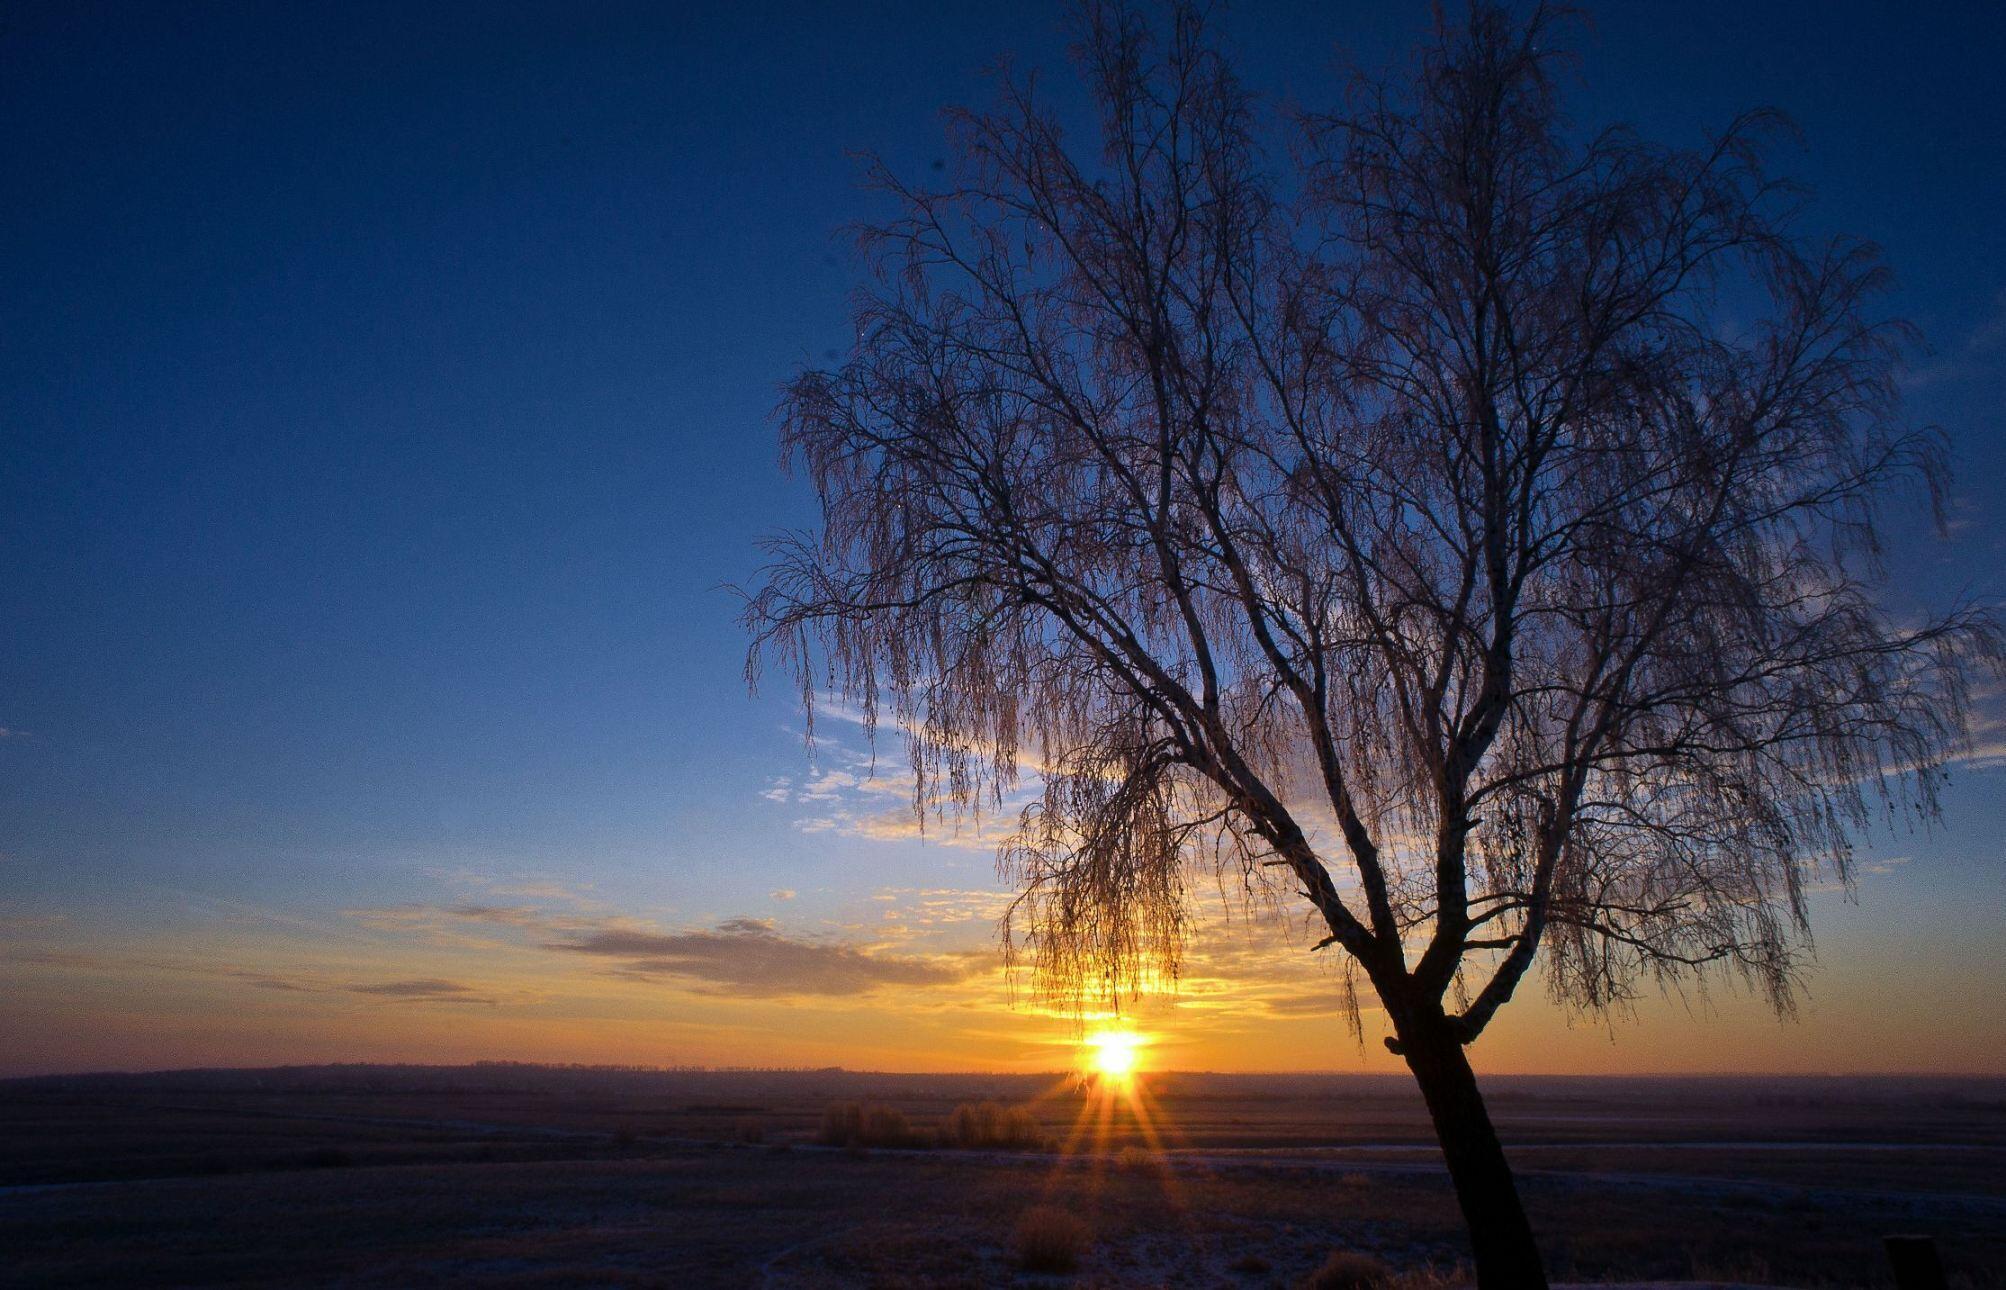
column 1114, row 1053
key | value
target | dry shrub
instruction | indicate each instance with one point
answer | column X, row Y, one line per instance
column 1350, row 1270
column 842, row 1124
column 989, row 1126
column 859, row 1124
column 1050, row 1240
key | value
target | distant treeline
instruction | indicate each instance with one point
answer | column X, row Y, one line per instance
column 736, row 1084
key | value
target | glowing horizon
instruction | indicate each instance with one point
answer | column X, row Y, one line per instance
column 919, row 984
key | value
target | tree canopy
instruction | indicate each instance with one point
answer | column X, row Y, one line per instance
column 1466, row 518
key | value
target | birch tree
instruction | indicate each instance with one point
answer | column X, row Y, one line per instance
column 1464, row 520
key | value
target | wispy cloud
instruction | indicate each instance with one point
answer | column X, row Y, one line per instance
column 478, row 925
column 859, row 794
column 426, row 990
column 941, row 909
column 267, row 981
column 413, row 990
column 745, row 956
column 1988, row 728
column 551, row 891
column 501, row 915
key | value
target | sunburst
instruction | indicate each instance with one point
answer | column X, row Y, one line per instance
column 1115, row 1055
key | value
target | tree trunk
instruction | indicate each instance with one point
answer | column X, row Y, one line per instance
column 1506, row 1256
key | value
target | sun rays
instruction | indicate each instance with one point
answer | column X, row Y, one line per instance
column 1118, row 1127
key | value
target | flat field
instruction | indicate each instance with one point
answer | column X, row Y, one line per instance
column 530, row 1176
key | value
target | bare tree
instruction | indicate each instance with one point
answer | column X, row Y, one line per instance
column 1471, row 527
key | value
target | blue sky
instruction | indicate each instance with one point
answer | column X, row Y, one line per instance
column 385, row 400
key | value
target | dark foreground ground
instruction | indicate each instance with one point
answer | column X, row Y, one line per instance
column 514, row 1176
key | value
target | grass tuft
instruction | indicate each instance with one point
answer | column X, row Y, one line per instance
column 1050, row 1240
column 1349, row 1270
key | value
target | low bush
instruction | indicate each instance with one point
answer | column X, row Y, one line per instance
column 859, row 1124
column 1050, row 1240
column 989, row 1126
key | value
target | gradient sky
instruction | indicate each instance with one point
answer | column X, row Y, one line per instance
column 384, row 398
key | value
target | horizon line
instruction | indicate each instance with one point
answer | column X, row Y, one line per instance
column 699, row 1069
